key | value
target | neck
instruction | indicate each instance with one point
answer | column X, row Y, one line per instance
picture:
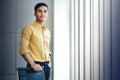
column 41, row 23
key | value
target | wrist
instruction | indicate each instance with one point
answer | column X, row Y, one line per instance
column 32, row 65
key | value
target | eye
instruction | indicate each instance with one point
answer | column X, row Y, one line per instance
column 39, row 10
column 45, row 11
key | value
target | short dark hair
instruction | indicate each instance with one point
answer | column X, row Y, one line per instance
column 39, row 5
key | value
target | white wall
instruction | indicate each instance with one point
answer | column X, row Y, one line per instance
column 61, row 39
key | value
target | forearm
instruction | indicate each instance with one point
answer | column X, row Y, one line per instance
column 28, row 58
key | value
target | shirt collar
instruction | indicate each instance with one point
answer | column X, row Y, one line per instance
column 39, row 26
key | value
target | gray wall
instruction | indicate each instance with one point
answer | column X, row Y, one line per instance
column 7, row 39
column 14, row 15
column 115, row 39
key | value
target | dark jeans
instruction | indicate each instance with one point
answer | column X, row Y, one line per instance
column 46, row 69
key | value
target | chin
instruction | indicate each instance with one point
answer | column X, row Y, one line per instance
column 42, row 20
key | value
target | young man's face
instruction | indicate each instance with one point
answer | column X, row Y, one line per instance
column 41, row 13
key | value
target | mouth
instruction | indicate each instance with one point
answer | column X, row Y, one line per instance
column 41, row 16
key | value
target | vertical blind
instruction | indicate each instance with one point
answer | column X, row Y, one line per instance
column 82, row 40
column 90, row 40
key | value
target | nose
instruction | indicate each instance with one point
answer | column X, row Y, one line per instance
column 42, row 13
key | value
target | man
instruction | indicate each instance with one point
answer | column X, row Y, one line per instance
column 34, row 43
